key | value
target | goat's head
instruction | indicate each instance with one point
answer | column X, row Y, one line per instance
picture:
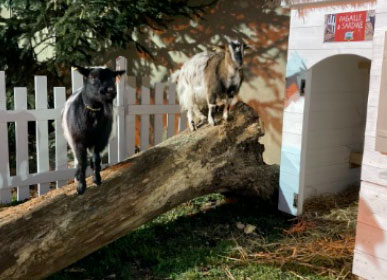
column 99, row 83
column 236, row 48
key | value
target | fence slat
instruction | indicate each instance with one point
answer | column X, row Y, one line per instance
column 5, row 193
column 153, row 109
column 159, row 96
column 21, row 134
column 28, row 115
column 60, row 141
column 183, row 121
column 145, row 100
column 171, row 117
column 113, row 143
column 131, row 119
column 3, row 99
column 41, row 132
column 121, row 64
column 76, row 79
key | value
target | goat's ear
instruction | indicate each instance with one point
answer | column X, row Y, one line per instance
column 84, row 71
column 219, row 48
column 248, row 47
column 119, row 73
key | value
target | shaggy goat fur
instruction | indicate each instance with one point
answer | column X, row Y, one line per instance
column 208, row 80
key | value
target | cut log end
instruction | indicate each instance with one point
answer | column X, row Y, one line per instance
column 57, row 229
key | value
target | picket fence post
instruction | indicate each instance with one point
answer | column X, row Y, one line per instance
column 60, row 141
column 121, row 64
column 145, row 124
column 21, row 135
column 5, row 193
column 42, row 152
column 158, row 124
column 171, row 101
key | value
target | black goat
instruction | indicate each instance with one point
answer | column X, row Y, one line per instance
column 87, row 120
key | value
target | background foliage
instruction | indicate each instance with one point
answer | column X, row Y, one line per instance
column 47, row 37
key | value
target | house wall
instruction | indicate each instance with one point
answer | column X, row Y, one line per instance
column 306, row 48
column 370, row 259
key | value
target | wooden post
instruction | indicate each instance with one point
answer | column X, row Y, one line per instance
column 171, row 101
column 60, row 141
column 21, row 134
column 41, row 132
column 5, row 194
column 131, row 119
column 159, row 98
column 145, row 100
column 183, row 121
column 76, row 80
column 121, row 64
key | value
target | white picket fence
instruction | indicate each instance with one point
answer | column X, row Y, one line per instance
column 122, row 143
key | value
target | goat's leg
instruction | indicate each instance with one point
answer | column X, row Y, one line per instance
column 80, row 174
column 199, row 115
column 97, row 168
column 211, row 114
column 191, row 121
column 226, row 110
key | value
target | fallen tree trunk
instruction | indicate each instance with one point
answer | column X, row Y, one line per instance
column 46, row 234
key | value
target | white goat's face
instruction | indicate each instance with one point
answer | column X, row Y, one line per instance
column 236, row 49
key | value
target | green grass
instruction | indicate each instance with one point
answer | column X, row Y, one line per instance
column 197, row 240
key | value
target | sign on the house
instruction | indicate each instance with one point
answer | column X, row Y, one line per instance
column 354, row 26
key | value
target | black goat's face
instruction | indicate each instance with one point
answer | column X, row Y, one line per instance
column 236, row 49
column 100, row 83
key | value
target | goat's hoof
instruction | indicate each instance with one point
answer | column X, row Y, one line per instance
column 91, row 162
column 229, row 118
column 201, row 123
column 81, row 188
column 193, row 128
column 97, row 181
column 213, row 123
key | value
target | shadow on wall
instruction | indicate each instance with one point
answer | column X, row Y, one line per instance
column 369, row 235
column 259, row 24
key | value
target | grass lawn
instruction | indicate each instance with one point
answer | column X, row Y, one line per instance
column 214, row 238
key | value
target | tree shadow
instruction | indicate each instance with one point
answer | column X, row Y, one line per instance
column 259, row 24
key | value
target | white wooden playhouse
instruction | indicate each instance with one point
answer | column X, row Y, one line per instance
column 335, row 117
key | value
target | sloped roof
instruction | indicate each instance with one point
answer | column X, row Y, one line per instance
column 289, row 3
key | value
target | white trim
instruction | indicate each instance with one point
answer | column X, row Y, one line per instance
column 304, row 141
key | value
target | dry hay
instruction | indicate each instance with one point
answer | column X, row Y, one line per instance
column 320, row 241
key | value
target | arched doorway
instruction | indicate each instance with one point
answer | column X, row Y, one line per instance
column 333, row 127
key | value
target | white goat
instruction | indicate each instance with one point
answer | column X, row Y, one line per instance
column 210, row 79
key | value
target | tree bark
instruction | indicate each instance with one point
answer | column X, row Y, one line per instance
column 48, row 233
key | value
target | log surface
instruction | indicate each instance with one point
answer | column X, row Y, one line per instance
column 48, row 233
